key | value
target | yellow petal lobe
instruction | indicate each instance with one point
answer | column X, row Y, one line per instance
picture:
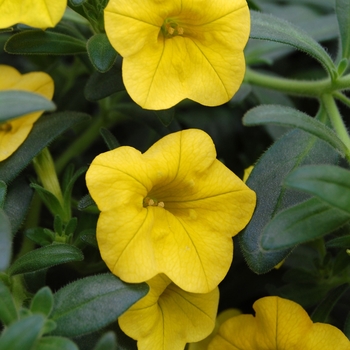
column 168, row 317
column 172, row 210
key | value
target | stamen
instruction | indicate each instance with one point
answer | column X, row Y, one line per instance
column 180, row 30
column 171, row 30
column 161, row 204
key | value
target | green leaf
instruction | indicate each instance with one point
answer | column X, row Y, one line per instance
column 91, row 303
column 322, row 311
column 55, row 343
column 101, row 85
column 101, row 53
column 42, row 302
column 15, row 103
column 302, row 223
column 5, row 241
column 86, row 202
column 41, row 236
column 342, row 10
column 45, row 130
column 23, row 334
column 290, row 117
column 76, row 2
column 8, row 311
column 18, row 199
column 45, row 257
column 107, row 342
column 339, row 242
column 329, row 183
column 3, row 191
column 38, row 42
column 109, row 139
column 268, row 27
column 294, row 149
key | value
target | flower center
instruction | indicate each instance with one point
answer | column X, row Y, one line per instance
column 152, row 202
column 170, row 28
column 5, row 127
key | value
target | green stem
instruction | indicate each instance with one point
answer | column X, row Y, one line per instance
column 297, row 87
column 336, row 119
column 342, row 98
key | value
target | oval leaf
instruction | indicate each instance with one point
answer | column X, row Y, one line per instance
column 327, row 182
column 55, row 343
column 91, row 303
column 45, row 257
column 107, row 342
column 8, row 311
column 42, row 302
column 302, row 223
column 102, row 54
column 44, row 131
column 40, row 42
column 268, row 27
column 22, row 334
column 286, row 116
column 15, row 103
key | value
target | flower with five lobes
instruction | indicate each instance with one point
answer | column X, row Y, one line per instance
column 35, row 13
column 177, row 49
column 278, row 324
column 13, row 132
column 167, row 317
column 173, row 209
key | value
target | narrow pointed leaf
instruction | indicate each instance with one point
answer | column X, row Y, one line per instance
column 342, row 10
column 40, row 42
column 22, row 334
column 329, row 183
column 268, row 27
column 109, row 139
column 302, row 223
column 15, row 103
column 294, row 149
column 91, row 303
column 286, row 116
column 8, row 311
column 5, row 241
column 45, row 130
column 45, row 257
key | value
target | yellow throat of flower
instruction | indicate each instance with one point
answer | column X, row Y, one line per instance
column 171, row 28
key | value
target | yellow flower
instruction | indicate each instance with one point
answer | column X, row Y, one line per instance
column 34, row 13
column 176, row 49
column 171, row 210
column 278, row 324
column 167, row 317
column 15, row 131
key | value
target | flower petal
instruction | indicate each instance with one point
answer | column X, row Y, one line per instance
column 19, row 128
column 190, row 239
column 205, row 64
column 34, row 13
column 168, row 317
column 279, row 324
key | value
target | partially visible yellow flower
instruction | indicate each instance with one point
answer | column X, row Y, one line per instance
column 179, row 49
column 278, row 324
column 35, row 13
column 171, row 210
column 15, row 131
column 167, row 317
column 247, row 172
column 221, row 318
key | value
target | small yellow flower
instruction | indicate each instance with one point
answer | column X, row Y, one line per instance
column 278, row 324
column 35, row 13
column 15, row 131
column 171, row 210
column 176, row 49
column 167, row 317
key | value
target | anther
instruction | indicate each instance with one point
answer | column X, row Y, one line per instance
column 161, row 204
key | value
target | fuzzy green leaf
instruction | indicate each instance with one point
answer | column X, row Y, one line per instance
column 101, row 53
column 3, row 191
column 39, row 42
column 42, row 302
column 5, row 241
column 45, row 257
column 8, row 311
column 55, row 343
column 342, row 9
column 268, row 27
column 91, row 303
column 107, row 342
column 15, row 103
column 290, row 117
